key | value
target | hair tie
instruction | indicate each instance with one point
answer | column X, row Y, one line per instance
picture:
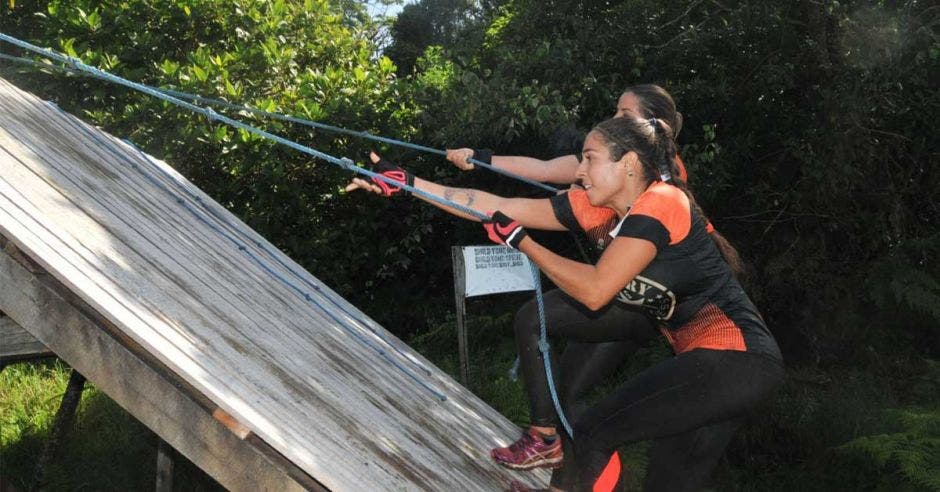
column 653, row 122
column 664, row 174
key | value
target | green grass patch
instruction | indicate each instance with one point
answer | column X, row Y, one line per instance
column 106, row 448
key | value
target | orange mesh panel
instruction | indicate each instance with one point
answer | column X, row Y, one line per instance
column 610, row 476
column 596, row 221
column 710, row 328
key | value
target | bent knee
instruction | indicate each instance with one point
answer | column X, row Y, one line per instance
column 527, row 318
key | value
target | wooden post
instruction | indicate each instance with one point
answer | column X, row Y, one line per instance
column 164, row 467
column 62, row 425
column 460, row 299
column 16, row 344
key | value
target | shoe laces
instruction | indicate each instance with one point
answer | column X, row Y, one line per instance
column 522, row 443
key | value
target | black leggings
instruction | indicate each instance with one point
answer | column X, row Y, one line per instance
column 692, row 415
column 598, row 343
column 689, row 405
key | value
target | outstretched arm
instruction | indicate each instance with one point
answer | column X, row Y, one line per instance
column 530, row 212
column 560, row 170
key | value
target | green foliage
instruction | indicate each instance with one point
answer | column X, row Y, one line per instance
column 28, row 393
column 429, row 23
column 901, row 280
column 905, row 460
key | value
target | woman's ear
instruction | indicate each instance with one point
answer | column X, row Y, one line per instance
column 630, row 161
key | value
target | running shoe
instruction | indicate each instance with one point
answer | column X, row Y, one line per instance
column 529, row 452
column 516, row 486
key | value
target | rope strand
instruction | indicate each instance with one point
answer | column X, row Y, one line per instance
column 301, row 121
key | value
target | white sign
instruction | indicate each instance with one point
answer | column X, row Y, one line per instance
column 495, row 269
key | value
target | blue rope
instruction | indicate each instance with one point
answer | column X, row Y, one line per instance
column 306, row 122
column 355, row 133
column 345, row 164
column 545, row 348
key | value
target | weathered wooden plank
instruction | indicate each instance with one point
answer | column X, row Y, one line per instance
column 17, row 344
column 80, row 337
column 155, row 257
column 460, row 297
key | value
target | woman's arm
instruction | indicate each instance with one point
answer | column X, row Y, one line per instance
column 593, row 285
column 529, row 212
column 560, row 170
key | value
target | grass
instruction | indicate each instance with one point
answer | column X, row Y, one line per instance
column 106, row 448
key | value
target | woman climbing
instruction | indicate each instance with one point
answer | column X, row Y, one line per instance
column 661, row 262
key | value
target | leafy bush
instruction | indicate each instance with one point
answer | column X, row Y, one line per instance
column 905, row 460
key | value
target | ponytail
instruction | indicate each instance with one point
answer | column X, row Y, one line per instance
column 728, row 251
column 654, row 142
column 730, row 254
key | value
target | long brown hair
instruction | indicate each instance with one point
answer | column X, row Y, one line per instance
column 655, row 102
column 655, row 145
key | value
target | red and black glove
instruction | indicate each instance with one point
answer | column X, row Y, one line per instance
column 504, row 230
column 393, row 172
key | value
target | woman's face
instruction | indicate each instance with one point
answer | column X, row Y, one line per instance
column 628, row 104
column 602, row 178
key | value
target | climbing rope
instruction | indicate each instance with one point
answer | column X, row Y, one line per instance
column 293, row 119
column 546, row 349
column 345, row 163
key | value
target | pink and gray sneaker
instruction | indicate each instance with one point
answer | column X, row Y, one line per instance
column 529, row 452
column 516, row 486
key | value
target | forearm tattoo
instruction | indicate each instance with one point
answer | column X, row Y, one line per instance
column 460, row 195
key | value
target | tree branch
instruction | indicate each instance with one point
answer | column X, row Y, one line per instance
column 694, row 4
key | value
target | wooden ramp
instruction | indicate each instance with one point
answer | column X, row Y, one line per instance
column 223, row 346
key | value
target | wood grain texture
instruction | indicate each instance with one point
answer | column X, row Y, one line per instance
column 242, row 325
column 17, row 344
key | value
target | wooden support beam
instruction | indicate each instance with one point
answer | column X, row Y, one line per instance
column 460, row 298
column 164, row 467
column 64, row 418
column 16, row 344
column 168, row 406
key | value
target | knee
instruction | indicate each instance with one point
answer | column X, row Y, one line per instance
column 597, row 468
column 583, row 442
column 526, row 319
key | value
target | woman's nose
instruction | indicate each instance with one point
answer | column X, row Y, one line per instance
column 582, row 168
